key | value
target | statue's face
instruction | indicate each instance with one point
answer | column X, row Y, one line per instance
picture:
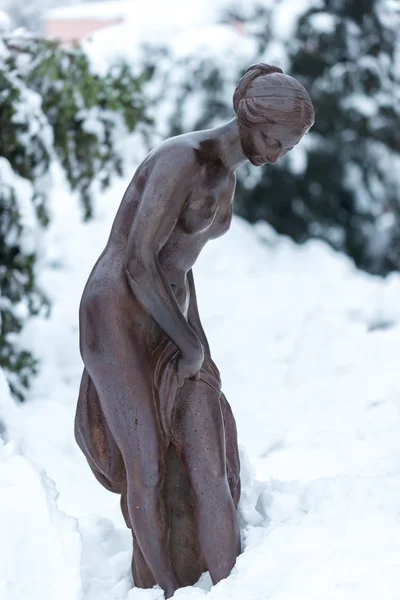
column 265, row 143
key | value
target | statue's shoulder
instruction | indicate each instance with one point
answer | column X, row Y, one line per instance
column 178, row 153
column 198, row 147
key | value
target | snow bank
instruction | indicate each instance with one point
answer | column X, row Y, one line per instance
column 307, row 347
column 335, row 538
column 39, row 545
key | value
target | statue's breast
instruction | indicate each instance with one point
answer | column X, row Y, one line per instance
column 199, row 212
column 208, row 209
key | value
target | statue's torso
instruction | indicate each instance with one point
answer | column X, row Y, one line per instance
column 206, row 215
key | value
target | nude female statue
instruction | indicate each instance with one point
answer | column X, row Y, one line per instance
column 151, row 418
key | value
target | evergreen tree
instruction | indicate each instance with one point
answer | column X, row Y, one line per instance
column 52, row 107
column 348, row 190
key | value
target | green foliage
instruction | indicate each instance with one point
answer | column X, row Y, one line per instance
column 52, row 106
column 17, row 285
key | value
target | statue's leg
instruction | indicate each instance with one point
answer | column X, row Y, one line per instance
column 200, row 435
column 124, row 385
column 105, row 460
column 142, row 575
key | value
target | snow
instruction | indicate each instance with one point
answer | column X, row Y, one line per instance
column 363, row 104
column 149, row 14
column 286, row 16
column 40, row 546
column 324, row 22
column 5, row 22
column 90, row 10
column 153, row 21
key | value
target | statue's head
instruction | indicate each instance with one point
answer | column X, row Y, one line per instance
column 274, row 111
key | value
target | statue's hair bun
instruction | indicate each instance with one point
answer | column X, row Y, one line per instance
column 254, row 71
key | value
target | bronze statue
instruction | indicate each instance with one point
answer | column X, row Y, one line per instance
column 151, row 418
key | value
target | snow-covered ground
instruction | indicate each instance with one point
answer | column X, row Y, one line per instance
column 307, row 348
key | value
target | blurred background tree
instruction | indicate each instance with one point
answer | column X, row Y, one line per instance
column 347, row 192
column 52, row 108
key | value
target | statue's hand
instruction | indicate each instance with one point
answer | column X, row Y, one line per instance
column 189, row 364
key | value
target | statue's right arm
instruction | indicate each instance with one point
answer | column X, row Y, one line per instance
column 164, row 195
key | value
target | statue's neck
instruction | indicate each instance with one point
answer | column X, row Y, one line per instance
column 229, row 144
